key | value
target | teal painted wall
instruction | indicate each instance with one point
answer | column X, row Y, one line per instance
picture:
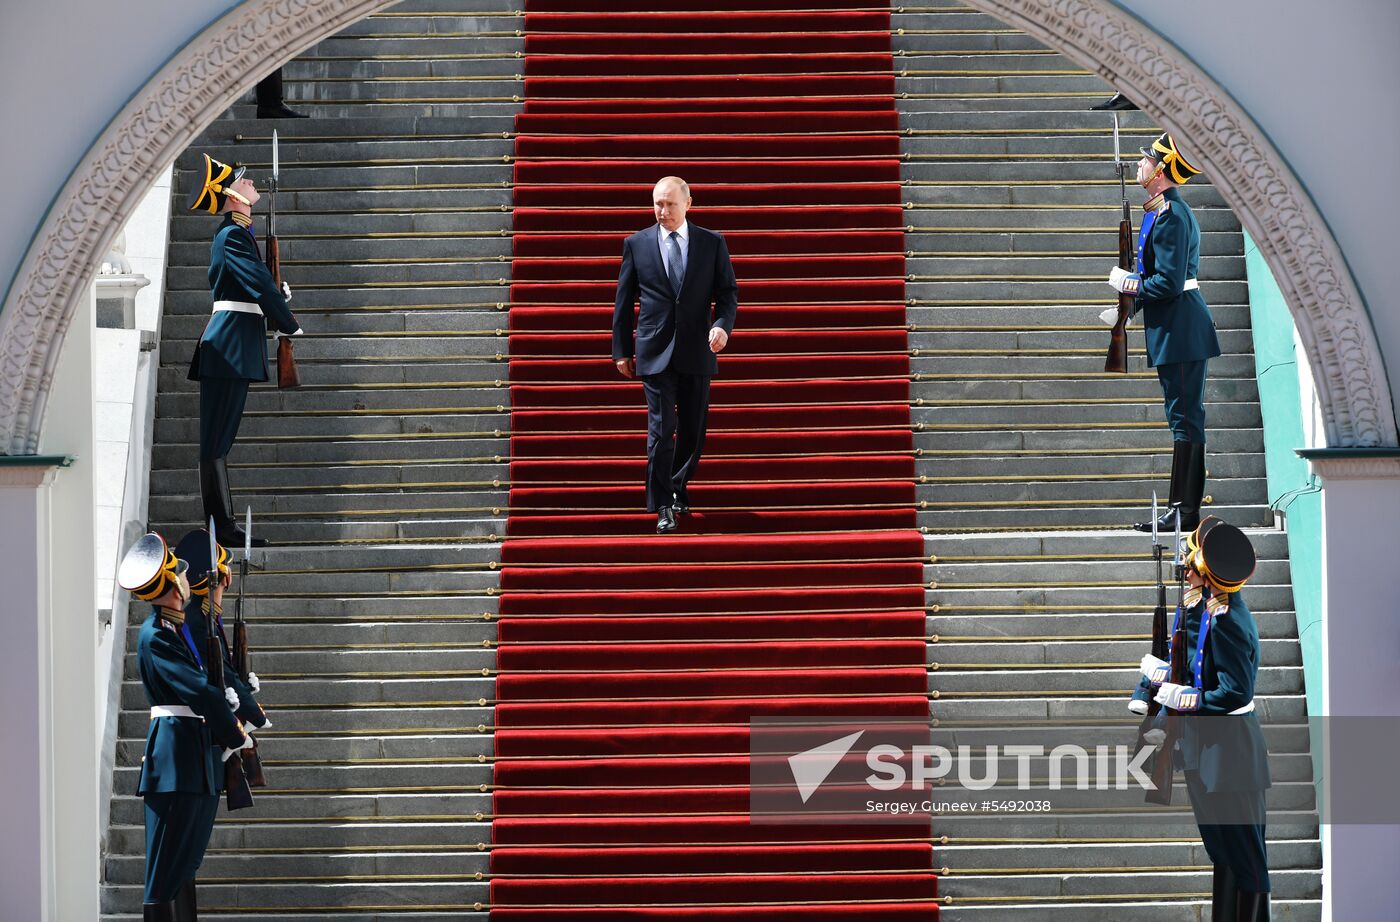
column 1292, row 489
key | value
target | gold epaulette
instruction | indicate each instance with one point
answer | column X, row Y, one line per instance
column 1157, row 203
column 173, row 617
column 241, row 219
column 1191, row 598
column 1219, row 604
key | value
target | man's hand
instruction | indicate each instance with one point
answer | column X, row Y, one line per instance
column 1154, row 669
column 286, row 292
column 627, row 368
column 253, row 682
column 246, row 744
column 1179, row 697
column 1110, row 317
column 1137, row 706
column 1155, row 737
column 718, row 339
column 1123, row 281
column 231, row 697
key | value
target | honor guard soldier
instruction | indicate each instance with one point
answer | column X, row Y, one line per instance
column 232, row 351
column 1179, row 329
column 1221, row 747
column 180, row 767
column 194, row 550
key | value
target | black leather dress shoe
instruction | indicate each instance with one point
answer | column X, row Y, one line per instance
column 1119, row 103
column 665, row 521
column 1166, row 522
column 281, row 110
column 681, row 507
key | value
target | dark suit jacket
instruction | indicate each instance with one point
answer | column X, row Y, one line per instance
column 234, row 344
column 672, row 328
column 1229, row 752
column 1177, row 323
column 179, row 756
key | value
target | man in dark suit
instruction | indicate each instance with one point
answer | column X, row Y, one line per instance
column 677, row 272
column 232, row 350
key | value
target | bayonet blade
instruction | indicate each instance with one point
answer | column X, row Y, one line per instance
column 1154, row 518
column 277, row 161
column 213, row 555
column 248, row 534
column 1177, row 558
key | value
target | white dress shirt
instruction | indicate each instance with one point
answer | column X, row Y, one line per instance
column 664, row 239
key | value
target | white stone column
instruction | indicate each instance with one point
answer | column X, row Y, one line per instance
column 1361, row 604
column 27, row 844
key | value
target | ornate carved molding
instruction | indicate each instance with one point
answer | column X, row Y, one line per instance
column 1258, row 184
column 260, row 34
column 153, row 129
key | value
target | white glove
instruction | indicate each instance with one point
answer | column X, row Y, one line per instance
column 1137, row 706
column 231, row 697
column 253, row 682
column 1179, row 697
column 286, row 292
column 1110, row 317
column 1154, row 669
column 1155, row 737
column 250, row 729
column 247, row 744
column 1123, row 281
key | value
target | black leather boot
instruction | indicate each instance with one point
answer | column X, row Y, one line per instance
column 186, row 906
column 1252, row 907
column 269, row 94
column 665, row 520
column 1223, row 894
column 1186, row 483
column 158, row 912
column 229, row 534
column 1118, row 103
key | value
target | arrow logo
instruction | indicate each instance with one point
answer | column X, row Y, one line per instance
column 811, row 768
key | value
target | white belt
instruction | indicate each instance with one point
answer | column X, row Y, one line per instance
column 1247, row 709
column 1191, row 285
column 242, row 307
column 172, row 710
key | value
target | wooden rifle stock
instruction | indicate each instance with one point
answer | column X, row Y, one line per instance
column 1160, row 768
column 287, row 376
column 1117, row 359
column 252, row 762
column 235, row 782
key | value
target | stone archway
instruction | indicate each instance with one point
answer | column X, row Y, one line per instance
column 257, row 35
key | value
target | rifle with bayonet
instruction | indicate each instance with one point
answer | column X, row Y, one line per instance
column 252, row 762
column 235, row 782
column 1160, row 650
column 1117, row 358
column 286, row 362
column 1162, row 768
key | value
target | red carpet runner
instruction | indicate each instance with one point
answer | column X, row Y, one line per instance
column 630, row 664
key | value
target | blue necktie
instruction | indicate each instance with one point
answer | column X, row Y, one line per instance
column 674, row 268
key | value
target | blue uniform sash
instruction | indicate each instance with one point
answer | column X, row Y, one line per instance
column 1147, row 221
column 189, row 642
column 1198, row 660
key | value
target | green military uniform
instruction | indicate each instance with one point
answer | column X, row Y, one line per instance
column 1178, row 326
column 1221, row 748
column 180, row 767
column 232, row 350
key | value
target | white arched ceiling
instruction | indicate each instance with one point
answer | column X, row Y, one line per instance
column 193, row 88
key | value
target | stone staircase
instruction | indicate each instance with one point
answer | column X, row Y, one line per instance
column 383, row 480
